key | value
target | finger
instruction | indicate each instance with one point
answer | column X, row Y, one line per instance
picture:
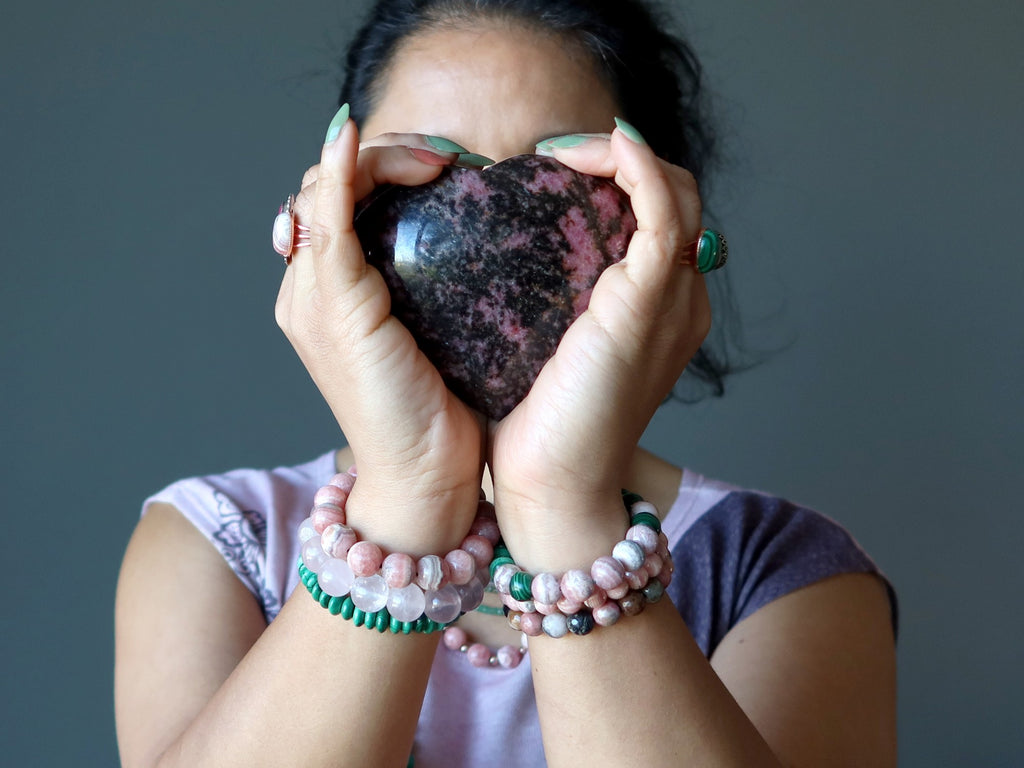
column 335, row 252
column 664, row 197
column 310, row 176
column 424, row 146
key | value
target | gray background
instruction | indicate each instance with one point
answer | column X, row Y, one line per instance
column 874, row 210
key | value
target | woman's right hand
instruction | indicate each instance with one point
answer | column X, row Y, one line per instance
column 418, row 448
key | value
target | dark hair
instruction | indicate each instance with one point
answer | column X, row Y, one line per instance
column 654, row 76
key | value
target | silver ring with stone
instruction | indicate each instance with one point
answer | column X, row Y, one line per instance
column 288, row 234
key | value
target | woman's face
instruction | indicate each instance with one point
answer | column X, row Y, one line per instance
column 496, row 90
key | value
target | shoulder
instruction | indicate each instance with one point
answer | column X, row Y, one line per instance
column 737, row 550
column 250, row 517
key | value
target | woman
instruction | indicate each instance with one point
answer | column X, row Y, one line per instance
column 777, row 645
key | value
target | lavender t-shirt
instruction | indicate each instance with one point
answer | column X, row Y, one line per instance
column 734, row 552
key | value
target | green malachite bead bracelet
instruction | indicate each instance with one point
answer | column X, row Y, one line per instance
column 381, row 620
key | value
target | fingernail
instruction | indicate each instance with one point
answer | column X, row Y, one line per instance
column 471, row 160
column 445, row 145
column 629, row 131
column 560, row 142
column 334, row 129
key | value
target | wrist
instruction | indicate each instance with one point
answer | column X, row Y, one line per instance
column 556, row 533
column 412, row 517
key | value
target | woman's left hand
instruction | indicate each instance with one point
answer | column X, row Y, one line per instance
column 559, row 458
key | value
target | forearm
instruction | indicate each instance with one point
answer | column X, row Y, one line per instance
column 639, row 688
column 314, row 690
column 639, row 693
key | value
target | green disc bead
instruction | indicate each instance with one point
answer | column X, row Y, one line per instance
column 646, row 518
column 358, row 616
column 316, row 592
column 324, row 599
column 521, row 586
column 406, row 627
column 334, row 606
column 395, row 626
column 370, row 621
column 347, row 609
column 383, row 622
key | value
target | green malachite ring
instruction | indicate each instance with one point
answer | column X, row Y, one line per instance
column 712, row 251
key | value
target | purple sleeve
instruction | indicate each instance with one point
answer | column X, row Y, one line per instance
column 749, row 549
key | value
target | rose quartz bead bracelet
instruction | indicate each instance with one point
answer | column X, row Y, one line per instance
column 398, row 593
column 349, row 576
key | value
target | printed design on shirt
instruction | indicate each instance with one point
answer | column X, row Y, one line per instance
column 242, row 540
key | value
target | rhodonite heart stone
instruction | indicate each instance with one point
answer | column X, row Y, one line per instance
column 487, row 269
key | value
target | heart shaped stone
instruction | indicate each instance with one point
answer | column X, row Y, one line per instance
column 487, row 269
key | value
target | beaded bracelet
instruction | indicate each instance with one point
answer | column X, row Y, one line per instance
column 432, row 591
column 635, row 574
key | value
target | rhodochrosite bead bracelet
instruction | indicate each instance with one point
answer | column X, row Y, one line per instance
column 636, row 573
column 433, row 589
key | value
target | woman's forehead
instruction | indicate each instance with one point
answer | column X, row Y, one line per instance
column 496, row 90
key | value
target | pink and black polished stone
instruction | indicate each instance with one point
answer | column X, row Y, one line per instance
column 487, row 269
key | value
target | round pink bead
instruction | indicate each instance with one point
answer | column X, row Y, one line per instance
column 545, row 609
column 398, row 570
column 344, row 481
column 630, row 554
column 486, row 527
column 619, row 592
column 654, row 564
column 644, row 536
column 568, row 607
column 599, row 597
column 337, row 540
column 607, row 572
column 454, row 638
column 307, row 531
column 503, row 577
column 532, row 624
column 509, row 656
column 405, row 603
column 461, row 565
column 432, row 572
column 330, row 495
column 665, row 577
column 644, row 506
column 313, row 555
column 662, row 540
column 480, row 548
column 577, row 585
column 365, row 558
column 479, row 655
column 607, row 614
column 545, row 588
column 638, row 579
column 326, row 515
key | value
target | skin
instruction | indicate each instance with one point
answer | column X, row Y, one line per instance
column 201, row 680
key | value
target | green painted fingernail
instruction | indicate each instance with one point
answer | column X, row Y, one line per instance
column 334, row 129
column 629, row 131
column 472, row 160
column 562, row 142
column 445, row 145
